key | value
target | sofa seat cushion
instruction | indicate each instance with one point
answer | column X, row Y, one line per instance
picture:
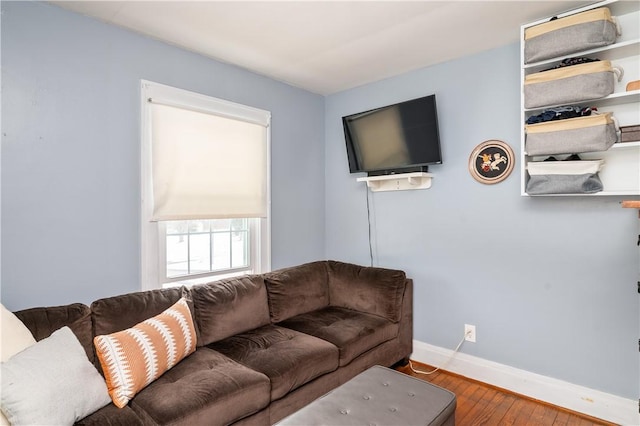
column 289, row 358
column 204, row 388
column 110, row 415
column 352, row 332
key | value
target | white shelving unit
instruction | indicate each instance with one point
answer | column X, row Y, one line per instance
column 621, row 172
column 398, row 182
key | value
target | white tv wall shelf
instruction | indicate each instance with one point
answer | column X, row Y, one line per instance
column 398, row 182
column 621, row 172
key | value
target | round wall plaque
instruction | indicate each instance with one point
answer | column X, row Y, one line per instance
column 491, row 162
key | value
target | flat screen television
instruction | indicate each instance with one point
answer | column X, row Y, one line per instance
column 397, row 138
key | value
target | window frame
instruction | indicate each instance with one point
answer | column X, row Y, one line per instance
column 153, row 234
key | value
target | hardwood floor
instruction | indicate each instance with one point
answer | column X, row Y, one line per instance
column 482, row 404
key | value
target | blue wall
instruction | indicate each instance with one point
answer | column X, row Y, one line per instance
column 550, row 283
column 70, row 153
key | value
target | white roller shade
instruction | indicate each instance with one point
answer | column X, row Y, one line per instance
column 206, row 166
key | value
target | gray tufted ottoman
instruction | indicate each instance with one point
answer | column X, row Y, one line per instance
column 379, row 396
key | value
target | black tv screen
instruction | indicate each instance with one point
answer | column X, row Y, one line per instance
column 394, row 138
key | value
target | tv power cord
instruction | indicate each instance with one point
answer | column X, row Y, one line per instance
column 444, row 364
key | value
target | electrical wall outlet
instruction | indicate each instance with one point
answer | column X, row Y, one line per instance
column 470, row 333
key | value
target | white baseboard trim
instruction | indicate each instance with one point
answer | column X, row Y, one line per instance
column 553, row 391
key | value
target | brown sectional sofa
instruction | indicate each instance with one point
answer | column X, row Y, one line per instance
column 267, row 344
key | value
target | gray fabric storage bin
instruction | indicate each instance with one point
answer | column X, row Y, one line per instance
column 573, row 33
column 564, row 177
column 564, row 184
column 576, row 83
column 573, row 135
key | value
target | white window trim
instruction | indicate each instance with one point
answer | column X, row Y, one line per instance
column 150, row 277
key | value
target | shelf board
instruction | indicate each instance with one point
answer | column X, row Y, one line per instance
column 625, row 145
column 616, row 98
column 631, row 204
column 616, row 146
column 596, row 194
column 398, row 181
column 611, row 52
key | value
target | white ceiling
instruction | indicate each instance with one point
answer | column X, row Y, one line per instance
column 327, row 46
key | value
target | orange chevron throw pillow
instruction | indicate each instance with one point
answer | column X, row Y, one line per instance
column 133, row 358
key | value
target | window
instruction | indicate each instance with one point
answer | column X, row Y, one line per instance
column 205, row 187
column 204, row 246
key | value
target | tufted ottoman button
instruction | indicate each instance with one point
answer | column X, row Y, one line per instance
column 385, row 384
column 411, row 394
column 367, row 397
column 344, row 411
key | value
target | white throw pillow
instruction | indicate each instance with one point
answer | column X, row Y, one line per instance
column 51, row 382
column 15, row 335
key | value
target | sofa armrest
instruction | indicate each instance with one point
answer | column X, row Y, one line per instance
column 406, row 321
column 372, row 290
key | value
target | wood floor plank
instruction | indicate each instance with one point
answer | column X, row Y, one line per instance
column 561, row 419
column 437, row 378
column 456, row 386
column 574, row 420
column 442, row 380
column 483, row 404
column 480, row 412
column 543, row 415
column 549, row 416
column 469, row 398
column 502, row 406
column 524, row 415
column 513, row 412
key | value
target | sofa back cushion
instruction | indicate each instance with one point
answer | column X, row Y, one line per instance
column 229, row 307
column 42, row 322
column 297, row 290
column 375, row 291
column 117, row 313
